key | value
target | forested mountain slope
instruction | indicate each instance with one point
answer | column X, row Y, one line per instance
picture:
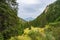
column 10, row 23
column 50, row 14
column 8, row 18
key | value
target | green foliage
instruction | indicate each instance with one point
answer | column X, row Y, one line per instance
column 1, row 37
column 14, row 38
column 36, row 35
column 33, row 35
column 8, row 18
column 55, row 29
column 58, row 19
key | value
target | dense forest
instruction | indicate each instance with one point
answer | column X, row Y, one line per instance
column 45, row 27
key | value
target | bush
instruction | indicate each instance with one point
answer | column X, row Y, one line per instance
column 1, row 37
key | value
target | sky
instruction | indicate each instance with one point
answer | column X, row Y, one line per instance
column 32, row 8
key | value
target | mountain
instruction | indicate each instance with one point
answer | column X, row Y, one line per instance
column 29, row 19
column 49, row 15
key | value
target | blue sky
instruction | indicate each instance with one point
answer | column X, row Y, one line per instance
column 32, row 8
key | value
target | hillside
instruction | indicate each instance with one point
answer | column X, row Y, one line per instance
column 10, row 23
column 50, row 14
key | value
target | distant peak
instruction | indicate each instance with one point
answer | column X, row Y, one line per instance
column 29, row 19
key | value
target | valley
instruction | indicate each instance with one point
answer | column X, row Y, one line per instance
column 45, row 27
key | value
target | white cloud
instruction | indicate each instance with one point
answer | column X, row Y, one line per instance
column 32, row 8
column 28, row 1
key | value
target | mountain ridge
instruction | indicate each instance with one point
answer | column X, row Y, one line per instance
column 50, row 14
column 29, row 19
